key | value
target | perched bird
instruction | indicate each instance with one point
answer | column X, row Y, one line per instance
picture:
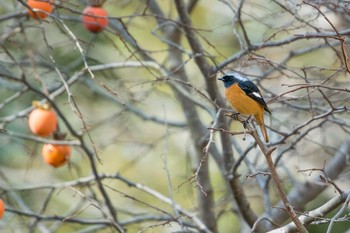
column 245, row 98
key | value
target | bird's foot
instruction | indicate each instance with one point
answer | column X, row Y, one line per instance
column 235, row 116
column 246, row 122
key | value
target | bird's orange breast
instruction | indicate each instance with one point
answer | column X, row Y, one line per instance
column 242, row 103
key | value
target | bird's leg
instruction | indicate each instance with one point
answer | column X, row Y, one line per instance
column 235, row 116
column 246, row 122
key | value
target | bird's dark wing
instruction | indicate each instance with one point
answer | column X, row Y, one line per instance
column 253, row 92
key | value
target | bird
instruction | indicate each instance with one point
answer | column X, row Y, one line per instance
column 245, row 98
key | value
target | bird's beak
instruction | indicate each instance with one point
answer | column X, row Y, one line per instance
column 221, row 79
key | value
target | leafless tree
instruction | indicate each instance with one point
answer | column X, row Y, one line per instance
column 155, row 148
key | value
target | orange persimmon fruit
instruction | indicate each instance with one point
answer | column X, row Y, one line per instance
column 2, row 208
column 40, row 8
column 95, row 18
column 56, row 155
column 42, row 121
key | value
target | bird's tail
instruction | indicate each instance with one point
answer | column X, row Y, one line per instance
column 260, row 120
column 264, row 132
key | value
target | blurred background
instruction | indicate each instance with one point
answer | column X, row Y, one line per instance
column 144, row 113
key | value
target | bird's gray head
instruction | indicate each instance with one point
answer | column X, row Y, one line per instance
column 231, row 78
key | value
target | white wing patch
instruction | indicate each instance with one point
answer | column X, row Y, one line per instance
column 257, row 94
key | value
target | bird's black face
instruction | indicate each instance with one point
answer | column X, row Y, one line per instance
column 228, row 80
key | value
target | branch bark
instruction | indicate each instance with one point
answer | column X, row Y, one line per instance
column 303, row 193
